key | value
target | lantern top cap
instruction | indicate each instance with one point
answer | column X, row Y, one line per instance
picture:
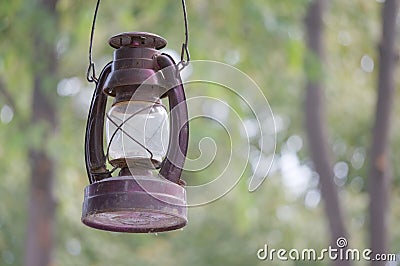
column 138, row 40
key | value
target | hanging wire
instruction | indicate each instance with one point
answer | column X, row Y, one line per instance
column 185, row 55
column 91, row 71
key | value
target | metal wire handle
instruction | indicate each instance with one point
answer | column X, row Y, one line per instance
column 185, row 49
column 185, row 55
column 91, row 71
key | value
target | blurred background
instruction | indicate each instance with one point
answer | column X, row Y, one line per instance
column 44, row 101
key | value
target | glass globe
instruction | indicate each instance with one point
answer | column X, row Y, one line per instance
column 137, row 131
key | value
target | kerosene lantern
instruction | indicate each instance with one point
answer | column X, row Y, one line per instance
column 140, row 141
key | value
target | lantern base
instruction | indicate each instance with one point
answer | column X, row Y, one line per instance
column 134, row 205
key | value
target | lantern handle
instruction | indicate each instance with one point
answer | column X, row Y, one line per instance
column 185, row 46
column 185, row 55
column 95, row 158
column 91, row 71
column 172, row 165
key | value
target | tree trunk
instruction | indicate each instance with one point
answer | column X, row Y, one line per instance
column 316, row 126
column 41, row 208
column 380, row 171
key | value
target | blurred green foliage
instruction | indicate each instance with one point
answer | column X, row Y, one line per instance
column 265, row 39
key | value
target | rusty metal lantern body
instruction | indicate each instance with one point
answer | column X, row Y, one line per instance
column 138, row 200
